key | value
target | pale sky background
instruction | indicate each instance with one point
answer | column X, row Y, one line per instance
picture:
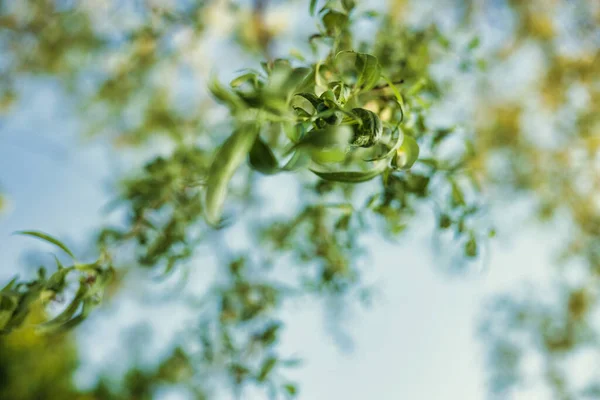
column 417, row 341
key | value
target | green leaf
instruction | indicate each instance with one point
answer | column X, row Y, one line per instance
column 9, row 285
column 266, row 368
column 291, row 389
column 396, row 92
column 298, row 160
column 262, row 159
column 227, row 159
column 351, row 176
column 368, row 69
column 67, row 313
column 471, row 247
column 407, row 153
column 325, row 156
column 47, row 238
column 8, row 304
column 391, row 151
column 240, row 80
column 334, row 22
column 474, row 43
column 348, row 5
column 458, row 197
column 225, row 96
column 327, row 137
column 312, row 98
column 313, row 6
column 369, row 131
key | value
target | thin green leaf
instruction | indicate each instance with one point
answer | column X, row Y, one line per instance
column 47, row 238
column 396, row 92
column 227, row 159
column 351, row 176
column 312, row 7
column 266, row 368
column 458, row 197
column 240, row 80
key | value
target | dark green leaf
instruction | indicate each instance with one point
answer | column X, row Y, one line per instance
column 47, row 238
column 262, row 159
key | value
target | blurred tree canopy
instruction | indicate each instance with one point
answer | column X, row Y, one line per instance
column 353, row 120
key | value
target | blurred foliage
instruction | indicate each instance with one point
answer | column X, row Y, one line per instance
column 35, row 367
column 347, row 111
